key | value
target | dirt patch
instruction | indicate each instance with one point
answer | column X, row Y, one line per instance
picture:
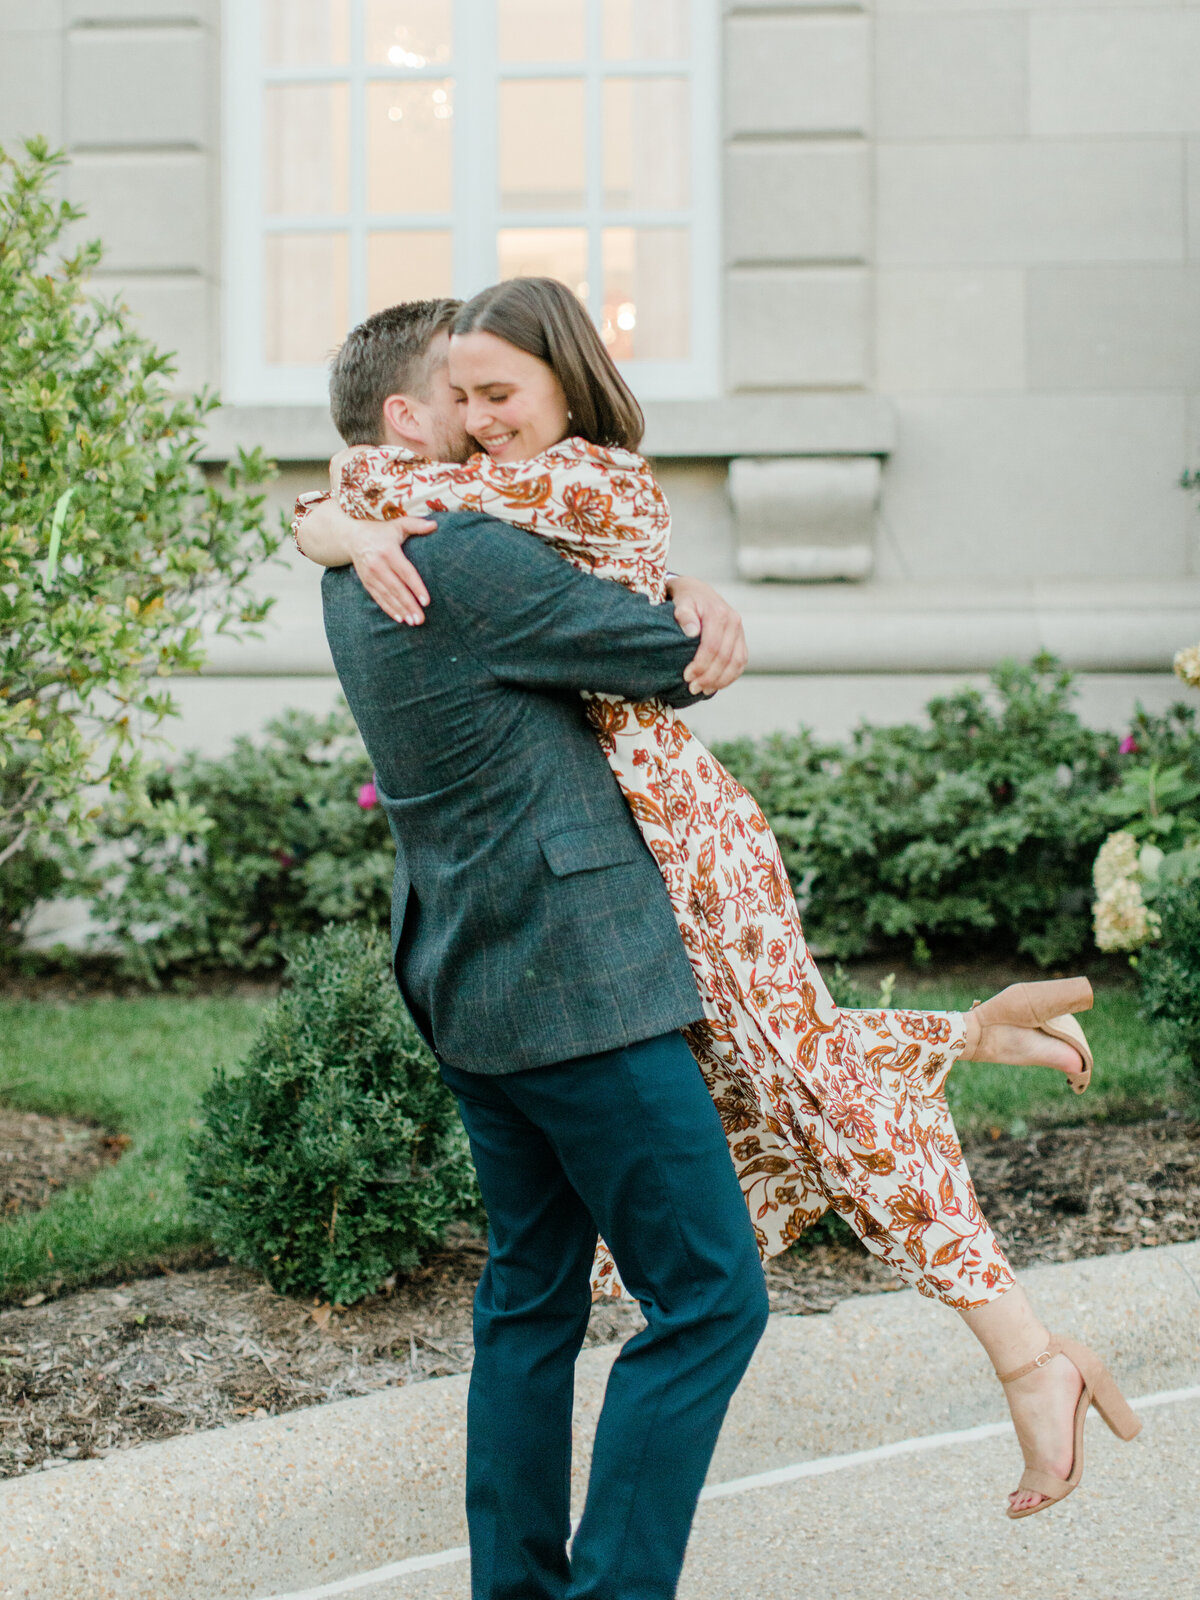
column 40, row 1155
column 106, row 1369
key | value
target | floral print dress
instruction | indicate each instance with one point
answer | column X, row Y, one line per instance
column 822, row 1107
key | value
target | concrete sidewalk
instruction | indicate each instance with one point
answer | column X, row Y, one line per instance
column 931, row 1526
column 318, row 1498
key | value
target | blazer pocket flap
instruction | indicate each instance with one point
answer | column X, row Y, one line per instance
column 604, row 844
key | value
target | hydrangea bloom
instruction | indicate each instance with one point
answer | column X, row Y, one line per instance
column 1187, row 665
column 1120, row 916
column 1122, row 919
column 1118, row 859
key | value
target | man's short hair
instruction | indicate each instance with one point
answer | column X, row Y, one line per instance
column 385, row 355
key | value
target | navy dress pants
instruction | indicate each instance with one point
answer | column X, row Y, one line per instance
column 627, row 1143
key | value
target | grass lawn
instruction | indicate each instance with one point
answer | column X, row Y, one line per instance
column 138, row 1067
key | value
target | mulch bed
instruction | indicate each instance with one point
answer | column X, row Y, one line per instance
column 108, row 1368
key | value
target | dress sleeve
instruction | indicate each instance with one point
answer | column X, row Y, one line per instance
column 304, row 504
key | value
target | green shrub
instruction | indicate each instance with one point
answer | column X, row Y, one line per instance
column 114, row 549
column 286, row 848
column 1169, row 973
column 336, row 1156
column 979, row 828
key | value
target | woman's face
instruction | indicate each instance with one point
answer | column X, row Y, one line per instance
column 509, row 400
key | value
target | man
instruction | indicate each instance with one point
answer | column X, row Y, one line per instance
column 536, row 949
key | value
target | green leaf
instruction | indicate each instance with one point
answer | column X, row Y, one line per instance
column 56, row 531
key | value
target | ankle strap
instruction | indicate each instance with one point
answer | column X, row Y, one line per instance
column 1047, row 1355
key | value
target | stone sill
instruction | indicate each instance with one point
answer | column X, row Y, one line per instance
column 1133, row 625
column 739, row 425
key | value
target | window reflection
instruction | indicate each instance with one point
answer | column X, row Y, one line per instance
column 409, row 33
column 545, row 253
column 542, row 30
column 307, row 296
column 307, row 157
column 647, row 294
column 645, row 143
column 409, row 145
column 407, row 266
column 542, row 145
column 641, row 29
column 306, row 33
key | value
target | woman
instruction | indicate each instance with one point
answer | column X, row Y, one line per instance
column 822, row 1107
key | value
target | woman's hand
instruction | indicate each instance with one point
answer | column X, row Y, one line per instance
column 722, row 655
column 332, row 538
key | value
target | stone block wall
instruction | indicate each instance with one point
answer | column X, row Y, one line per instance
column 131, row 88
column 1037, row 287
column 798, row 221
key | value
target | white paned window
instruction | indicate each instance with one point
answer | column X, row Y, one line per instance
column 386, row 150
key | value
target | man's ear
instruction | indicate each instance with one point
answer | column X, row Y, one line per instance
column 400, row 418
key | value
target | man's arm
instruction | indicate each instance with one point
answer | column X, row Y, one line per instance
column 535, row 620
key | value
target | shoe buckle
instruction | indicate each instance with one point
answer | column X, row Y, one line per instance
column 1044, row 1359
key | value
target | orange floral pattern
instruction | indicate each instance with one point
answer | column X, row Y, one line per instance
column 822, row 1107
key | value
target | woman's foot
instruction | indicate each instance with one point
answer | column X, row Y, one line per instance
column 1013, row 1046
column 1033, row 1025
column 1043, row 1405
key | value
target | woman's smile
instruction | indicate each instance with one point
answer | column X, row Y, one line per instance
column 496, row 443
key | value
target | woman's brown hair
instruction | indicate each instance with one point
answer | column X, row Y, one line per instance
column 542, row 317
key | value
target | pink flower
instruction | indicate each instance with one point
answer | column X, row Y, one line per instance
column 1129, row 746
column 368, row 796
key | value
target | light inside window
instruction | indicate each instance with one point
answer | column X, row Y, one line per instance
column 409, row 33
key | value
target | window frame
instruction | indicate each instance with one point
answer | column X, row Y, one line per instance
column 475, row 216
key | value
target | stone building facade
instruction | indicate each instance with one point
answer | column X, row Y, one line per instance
column 954, row 259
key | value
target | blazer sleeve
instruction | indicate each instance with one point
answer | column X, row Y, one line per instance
column 537, row 621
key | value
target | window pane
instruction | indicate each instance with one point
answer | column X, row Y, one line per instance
column 307, row 296
column 306, row 161
column 542, row 149
column 542, row 30
column 545, row 253
column 407, row 266
column 409, row 33
column 646, row 143
column 640, row 29
column 306, row 33
column 410, row 145
column 647, row 294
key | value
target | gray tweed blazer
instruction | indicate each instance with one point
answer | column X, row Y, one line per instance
column 530, row 923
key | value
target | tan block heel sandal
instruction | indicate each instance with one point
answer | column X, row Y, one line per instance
column 1099, row 1390
column 1047, row 1007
